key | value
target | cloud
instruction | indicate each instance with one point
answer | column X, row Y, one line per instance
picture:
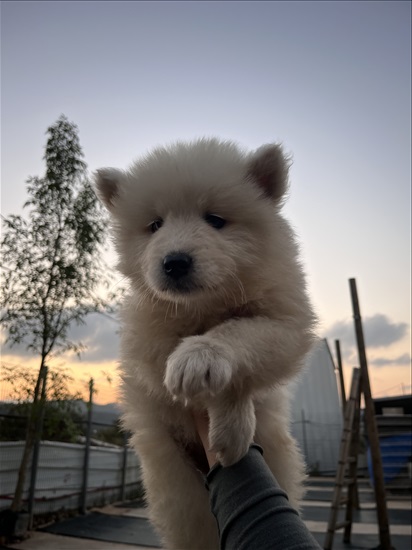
column 379, row 331
column 18, row 349
column 99, row 335
column 402, row 360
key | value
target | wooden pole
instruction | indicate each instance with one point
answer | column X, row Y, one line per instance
column 379, row 486
column 345, row 445
column 353, row 490
column 305, row 441
column 341, row 380
column 124, row 468
column 355, row 499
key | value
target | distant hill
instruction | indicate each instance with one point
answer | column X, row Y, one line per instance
column 102, row 414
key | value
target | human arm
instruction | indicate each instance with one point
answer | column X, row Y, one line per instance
column 252, row 511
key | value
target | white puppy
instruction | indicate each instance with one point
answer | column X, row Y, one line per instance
column 217, row 318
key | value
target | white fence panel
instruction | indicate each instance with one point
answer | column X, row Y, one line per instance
column 60, row 475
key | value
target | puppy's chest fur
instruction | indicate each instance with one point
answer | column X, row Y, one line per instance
column 157, row 334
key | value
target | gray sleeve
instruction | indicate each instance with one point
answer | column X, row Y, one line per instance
column 252, row 511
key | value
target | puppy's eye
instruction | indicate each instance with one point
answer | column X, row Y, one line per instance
column 215, row 221
column 155, row 225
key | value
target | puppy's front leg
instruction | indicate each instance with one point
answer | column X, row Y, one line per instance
column 225, row 366
column 245, row 353
column 266, row 351
column 232, row 425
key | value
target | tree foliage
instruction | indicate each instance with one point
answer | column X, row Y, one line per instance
column 111, row 434
column 52, row 257
column 62, row 414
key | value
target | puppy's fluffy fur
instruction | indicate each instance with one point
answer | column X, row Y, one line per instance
column 217, row 318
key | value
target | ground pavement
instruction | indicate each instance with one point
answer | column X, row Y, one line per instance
column 125, row 526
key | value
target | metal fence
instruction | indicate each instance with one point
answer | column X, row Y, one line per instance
column 319, row 443
column 67, row 476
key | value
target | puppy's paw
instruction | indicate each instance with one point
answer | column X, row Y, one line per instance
column 198, row 366
column 231, row 429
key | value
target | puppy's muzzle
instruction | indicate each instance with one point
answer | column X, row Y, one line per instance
column 177, row 265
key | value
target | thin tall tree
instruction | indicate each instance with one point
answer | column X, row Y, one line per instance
column 52, row 260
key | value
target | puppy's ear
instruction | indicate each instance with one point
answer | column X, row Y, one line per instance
column 107, row 183
column 269, row 168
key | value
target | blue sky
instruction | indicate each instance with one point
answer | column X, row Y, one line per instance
column 331, row 80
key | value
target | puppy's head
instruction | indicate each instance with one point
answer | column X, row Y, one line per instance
column 194, row 222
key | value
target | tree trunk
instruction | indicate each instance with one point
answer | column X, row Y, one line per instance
column 29, row 444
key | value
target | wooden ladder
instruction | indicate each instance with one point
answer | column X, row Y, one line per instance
column 350, row 447
column 346, row 475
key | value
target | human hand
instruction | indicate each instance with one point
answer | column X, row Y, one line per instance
column 201, row 420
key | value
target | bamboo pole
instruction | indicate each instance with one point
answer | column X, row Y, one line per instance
column 379, row 486
column 341, row 380
column 343, row 457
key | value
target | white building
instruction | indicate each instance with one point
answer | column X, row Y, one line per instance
column 316, row 411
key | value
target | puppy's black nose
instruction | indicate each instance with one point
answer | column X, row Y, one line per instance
column 177, row 265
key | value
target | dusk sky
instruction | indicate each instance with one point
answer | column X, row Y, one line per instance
column 331, row 80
